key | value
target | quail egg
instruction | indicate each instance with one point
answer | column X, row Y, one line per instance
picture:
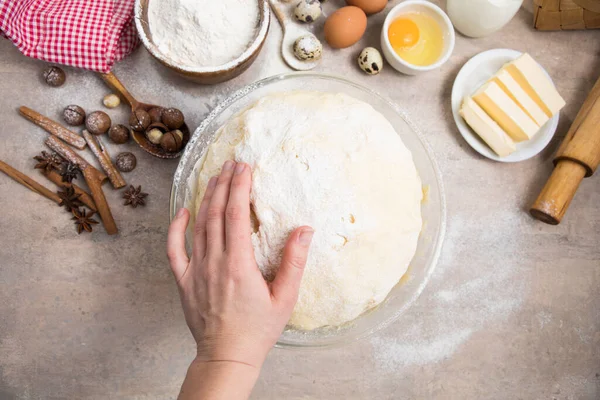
column 308, row 48
column 370, row 61
column 308, row 10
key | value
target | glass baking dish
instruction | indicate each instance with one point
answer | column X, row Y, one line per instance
column 434, row 207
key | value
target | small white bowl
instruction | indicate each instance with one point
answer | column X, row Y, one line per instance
column 419, row 6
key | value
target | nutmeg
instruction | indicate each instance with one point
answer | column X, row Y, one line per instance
column 126, row 162
column 156, row 114
column 54, row 76
column 172, row 141
column 74, row 115
column 173, row 118
column 119, row 134
column 139, row 120
column 178, row 133
column 98, row 123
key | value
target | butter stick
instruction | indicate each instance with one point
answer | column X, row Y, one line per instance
column 486, row 128
column 511, row 118
column 532, row 78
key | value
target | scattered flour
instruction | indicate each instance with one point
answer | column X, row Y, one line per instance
column 418, row 353
column 452, row 310
column 203, row 33
column 544, row 318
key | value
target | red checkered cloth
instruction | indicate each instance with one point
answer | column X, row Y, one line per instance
column 90, row 34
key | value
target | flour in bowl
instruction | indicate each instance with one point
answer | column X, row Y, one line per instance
column 203, row 33
column 334, row 163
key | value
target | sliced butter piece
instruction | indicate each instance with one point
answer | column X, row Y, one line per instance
column 505, row 80
column 532, row 78
column 487, row 128
column 505, row 112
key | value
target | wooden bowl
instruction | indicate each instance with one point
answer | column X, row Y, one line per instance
column 205, row 75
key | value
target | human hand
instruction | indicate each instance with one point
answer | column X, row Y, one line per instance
column 232, row 312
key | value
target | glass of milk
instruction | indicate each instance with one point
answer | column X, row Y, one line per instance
column 478, row 18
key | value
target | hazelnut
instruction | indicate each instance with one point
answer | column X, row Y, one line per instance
column 154, row 135
column 98, row 123
column 172, row 141
column 111, row 101
column 54, row 76
column 119, row 134
column 139, row 120
column 157, row 125
column 74, row 115
column 156, row 114
column 178, row 133
column 126, row 162
column 173, row 118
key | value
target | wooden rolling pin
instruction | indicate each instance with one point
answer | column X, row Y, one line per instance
column 577, row 158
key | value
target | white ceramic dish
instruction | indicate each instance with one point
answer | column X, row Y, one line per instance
column 433, row 209
column 419, row 6
column 474, row 74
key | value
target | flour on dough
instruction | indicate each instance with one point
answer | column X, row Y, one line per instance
column 334, row 163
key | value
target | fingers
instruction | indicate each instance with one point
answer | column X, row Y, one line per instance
column 176, row 244
column 237, row 215
column 287, row 282
column 200, row 227
column 215, row 217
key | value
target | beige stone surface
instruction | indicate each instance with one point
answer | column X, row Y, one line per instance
column 512, row 311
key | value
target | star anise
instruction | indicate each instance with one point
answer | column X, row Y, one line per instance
column 69, row 171
column 83, row 220
column 48, row 161
column 134, row 197
column 69, row 198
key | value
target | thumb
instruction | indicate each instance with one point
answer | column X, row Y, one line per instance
column 176, row 244
column 287, row 282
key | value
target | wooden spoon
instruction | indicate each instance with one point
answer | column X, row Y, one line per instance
column 140, row 137
column 291, row 32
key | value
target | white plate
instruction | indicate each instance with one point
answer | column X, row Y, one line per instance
column 470, row 78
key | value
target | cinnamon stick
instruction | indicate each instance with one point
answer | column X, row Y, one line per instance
column 53, row 127
column 95, row 144
column 28, row 182
column 85, row 197
column 93, row 178
column 70, row 155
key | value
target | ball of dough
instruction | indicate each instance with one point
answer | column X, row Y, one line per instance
column 334, row 163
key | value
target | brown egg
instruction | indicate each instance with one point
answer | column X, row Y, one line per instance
column 368, row 6
column 345, row 27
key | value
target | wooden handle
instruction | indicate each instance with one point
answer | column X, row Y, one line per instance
column 554, row 200
column 582, row 143
column 577, row 157
column 53, row 127
column 28, row 182
column 115, row 84
column 279, row 13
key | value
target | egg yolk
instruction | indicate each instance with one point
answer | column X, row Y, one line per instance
column 403, row 33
